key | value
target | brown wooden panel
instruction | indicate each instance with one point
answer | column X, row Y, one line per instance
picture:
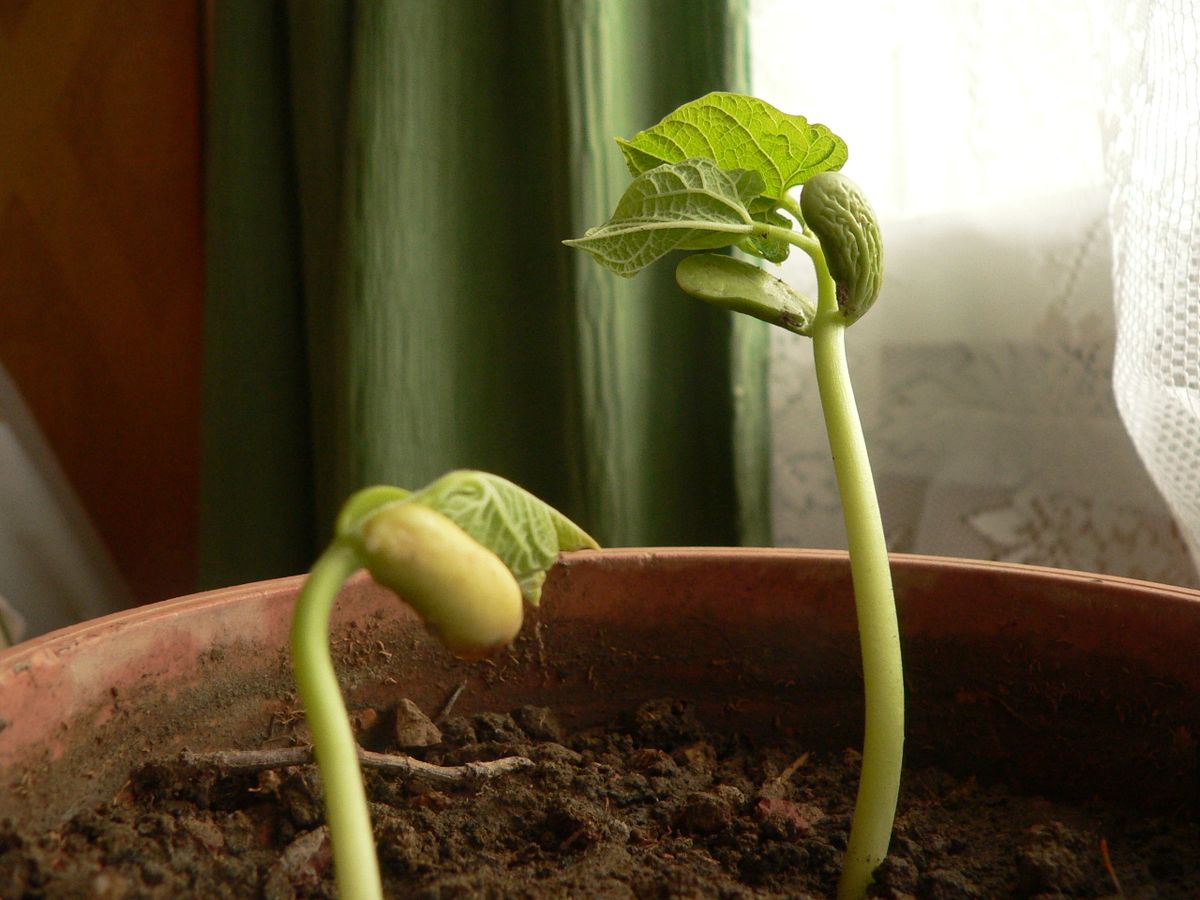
column 101, row 261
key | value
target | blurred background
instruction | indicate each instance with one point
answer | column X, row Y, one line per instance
column 256, row 255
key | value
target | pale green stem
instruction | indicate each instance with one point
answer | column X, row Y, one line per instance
column 792, row 207
column 355, row 867
column 879, row 631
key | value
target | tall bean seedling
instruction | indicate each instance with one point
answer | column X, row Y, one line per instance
column 716, row 173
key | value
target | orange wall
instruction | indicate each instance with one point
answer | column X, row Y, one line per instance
column 101, row 261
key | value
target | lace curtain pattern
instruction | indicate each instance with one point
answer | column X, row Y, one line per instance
column 984, row 374
column 1153, row 134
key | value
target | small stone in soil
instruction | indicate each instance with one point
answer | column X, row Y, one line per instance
column 652, row 761
column 785, row 820
column 496, row 727
column 705, row 813
column 945, row 884
column 363, row 720
column 667, row 723
column 1049, row 860
column 895, row 877
column 413, row 728
column 539, row 722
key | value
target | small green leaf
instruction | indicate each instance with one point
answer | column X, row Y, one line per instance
column 689, row 205
column 745, row 288
column 739, row 132
column 524, row 532
column 769, row 247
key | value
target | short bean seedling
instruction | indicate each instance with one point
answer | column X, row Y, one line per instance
column 466, row 553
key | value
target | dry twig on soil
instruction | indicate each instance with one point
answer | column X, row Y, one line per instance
column 278, row 758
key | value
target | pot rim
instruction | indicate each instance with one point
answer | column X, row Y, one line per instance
column 60, row 640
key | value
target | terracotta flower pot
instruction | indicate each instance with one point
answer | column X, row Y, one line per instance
column 1068, row 683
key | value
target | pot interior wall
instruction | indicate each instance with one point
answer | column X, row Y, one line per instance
column 1070, row 685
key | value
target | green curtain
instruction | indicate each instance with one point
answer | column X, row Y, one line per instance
column 388, row 297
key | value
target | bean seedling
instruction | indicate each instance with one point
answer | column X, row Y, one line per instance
column 466, row 553
column 717, row 173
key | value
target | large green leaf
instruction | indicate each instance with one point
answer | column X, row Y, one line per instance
column 739, row 132
column 689, row 205
column 524, row 532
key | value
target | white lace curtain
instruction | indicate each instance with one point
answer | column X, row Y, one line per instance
column 981, row 132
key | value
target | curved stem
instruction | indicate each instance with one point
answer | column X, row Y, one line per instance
column 879, row 631
column 355, row 867
column 792, row 207
column 805, row 239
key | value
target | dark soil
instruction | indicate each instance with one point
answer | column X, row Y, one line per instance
column 658, row 805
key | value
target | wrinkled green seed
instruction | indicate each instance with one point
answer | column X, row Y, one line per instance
column 838, row 213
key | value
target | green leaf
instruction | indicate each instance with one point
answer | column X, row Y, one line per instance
column 524, row 532
column 745, row 288
column 739, row 132
column 689, row 205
